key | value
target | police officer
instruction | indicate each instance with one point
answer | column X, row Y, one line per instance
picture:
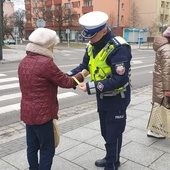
column 107, row 58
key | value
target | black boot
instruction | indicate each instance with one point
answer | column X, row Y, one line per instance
column 100, row 162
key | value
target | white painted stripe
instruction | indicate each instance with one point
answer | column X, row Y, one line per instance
column 8, row 79
column 9, row 108
column 16, row 106
column 136, row 62
column 1, row 75
column 9, row 86
column 66, row 95
column 10, row 96
column 133, row 68
column 17, row 95
column 11, row 71
column 71, row 65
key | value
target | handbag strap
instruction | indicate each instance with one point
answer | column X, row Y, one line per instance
column 162, row 101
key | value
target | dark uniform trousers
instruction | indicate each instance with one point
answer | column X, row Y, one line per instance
column 112, row 128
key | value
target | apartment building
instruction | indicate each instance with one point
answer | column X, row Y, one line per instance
column 118, row 11
column 153, row 14
column 8, row 8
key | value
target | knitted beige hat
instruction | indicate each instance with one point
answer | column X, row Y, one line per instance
column 166, row 33
column 44, row 37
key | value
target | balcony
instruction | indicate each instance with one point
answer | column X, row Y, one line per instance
column 56, row 2
column 49, row 24
column 28, row 25
column 28, row 6
column 48, row 3
column 28, row 16
column 86, row 9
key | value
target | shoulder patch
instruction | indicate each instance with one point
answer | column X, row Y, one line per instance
column 100, row 86
column 120, row 68
column 115, row 42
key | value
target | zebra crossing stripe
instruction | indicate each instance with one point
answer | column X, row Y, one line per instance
column 9, row 86
column 2, row 75
column 10, row 96
column 16, row 106
column 66, row 95
column 9, row 108
column 8, row 79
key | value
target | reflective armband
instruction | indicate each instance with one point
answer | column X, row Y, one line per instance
column 92, row 88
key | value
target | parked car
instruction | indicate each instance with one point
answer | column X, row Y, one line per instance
column 9, row 41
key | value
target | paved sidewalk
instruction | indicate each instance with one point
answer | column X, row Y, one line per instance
column 81, row 143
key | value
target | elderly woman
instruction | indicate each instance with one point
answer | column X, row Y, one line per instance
column 39, row 79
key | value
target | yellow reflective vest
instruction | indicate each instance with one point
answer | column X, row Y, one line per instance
column 99, row 69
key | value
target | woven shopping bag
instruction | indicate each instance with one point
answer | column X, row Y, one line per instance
column 56, row 133
column 159, row 121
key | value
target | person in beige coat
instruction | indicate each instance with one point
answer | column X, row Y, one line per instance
column 161, row 73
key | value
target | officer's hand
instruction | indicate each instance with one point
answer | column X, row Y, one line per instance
column 82, row 86
column 85, row 73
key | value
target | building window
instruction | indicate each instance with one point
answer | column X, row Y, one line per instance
column 166, row 18
column 48, row 9
column 123, row 6
column 35, row 20
column 58, row 7
column 35, row 10
column 76, row 4
column 167, row 5
column 67, row 6
column 162, row 4
column 87, row 2
column 122, row 18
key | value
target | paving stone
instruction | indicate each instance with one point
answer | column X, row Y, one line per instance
column 139, row 136
column 82, row 134
column 5, row 166
column 63, row 164
column 80, row 149
column 65, row 144
column 140, row 154
column 163, row 163
column 129, row 165
column 17, row 159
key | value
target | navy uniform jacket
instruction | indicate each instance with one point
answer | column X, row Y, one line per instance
column 120, row 57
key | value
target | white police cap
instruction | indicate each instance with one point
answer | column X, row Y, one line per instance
column 92, row 23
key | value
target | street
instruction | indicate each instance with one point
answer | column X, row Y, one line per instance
column 66, row 59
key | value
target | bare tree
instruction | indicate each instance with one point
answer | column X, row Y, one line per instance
column 135, row 19
column 19, row 21
column 153, row 29
column 62, row 17
column 8, row 26
column 1, row 13
column 112, row 20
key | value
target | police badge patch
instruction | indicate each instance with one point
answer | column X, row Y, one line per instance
column 120, row 68
column 100, row 86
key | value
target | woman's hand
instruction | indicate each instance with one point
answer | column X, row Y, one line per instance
column 82, row 86
column 167, row 93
